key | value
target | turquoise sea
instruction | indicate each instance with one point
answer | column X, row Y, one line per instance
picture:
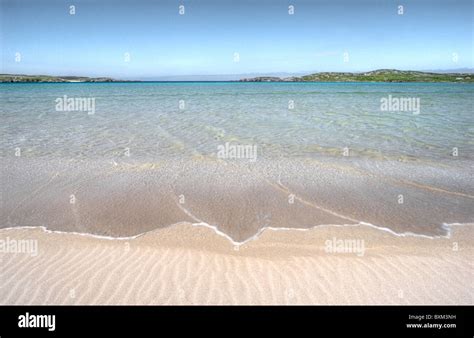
column 287, row 120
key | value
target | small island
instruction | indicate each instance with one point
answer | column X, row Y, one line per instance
column 380, row 75
column 49, row 78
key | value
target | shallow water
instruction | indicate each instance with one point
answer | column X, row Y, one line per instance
column 326, row 118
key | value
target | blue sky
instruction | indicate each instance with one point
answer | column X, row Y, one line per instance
column 160, row 42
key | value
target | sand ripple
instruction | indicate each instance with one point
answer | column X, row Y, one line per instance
column 185, row 264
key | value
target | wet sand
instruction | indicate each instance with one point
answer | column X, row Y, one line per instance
column 127, row 198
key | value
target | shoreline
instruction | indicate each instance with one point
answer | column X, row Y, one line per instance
column 447, row 226
column 237, row 199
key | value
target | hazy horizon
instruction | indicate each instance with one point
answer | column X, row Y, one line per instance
column 234, row 77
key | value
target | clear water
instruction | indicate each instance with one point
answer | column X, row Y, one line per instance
column 326, row 118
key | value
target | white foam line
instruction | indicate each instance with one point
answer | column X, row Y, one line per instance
column 187, row 212
column 221, row 233
column 446, row 226
column 84, row 234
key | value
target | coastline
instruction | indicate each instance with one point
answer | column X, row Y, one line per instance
column 378, row 75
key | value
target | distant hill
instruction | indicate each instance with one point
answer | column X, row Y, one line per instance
column 48, row 78
column 380, row 75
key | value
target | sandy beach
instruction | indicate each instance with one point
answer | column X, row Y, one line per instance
column 189, row 264
column 339, row 202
